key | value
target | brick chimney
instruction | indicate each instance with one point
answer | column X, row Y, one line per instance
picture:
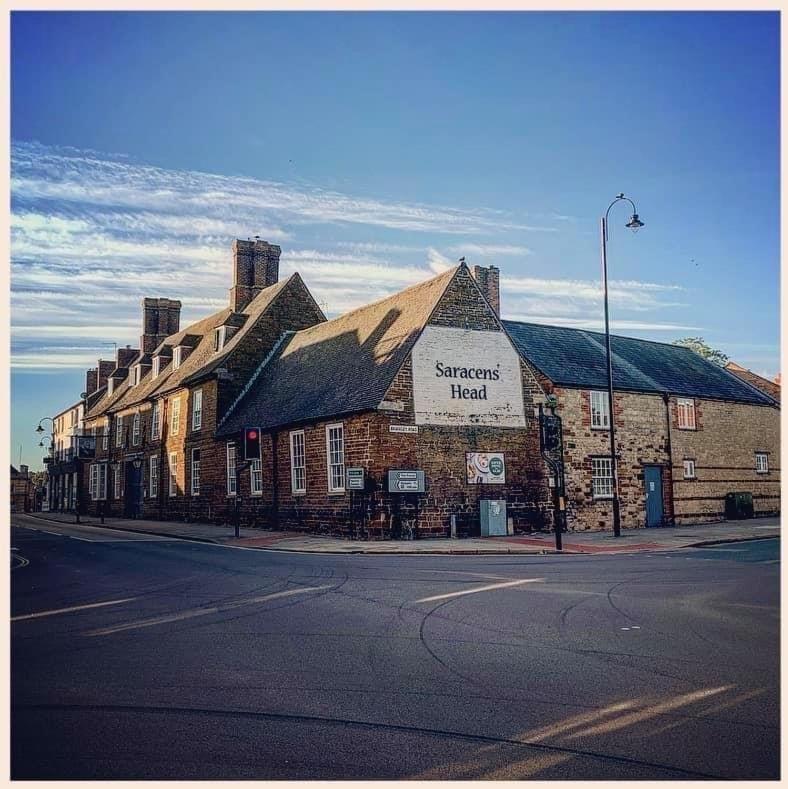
column 160, row 319
column 126, row 356
column 91, row 381
column 255, row 266
column 104, row 369
column 488, row 281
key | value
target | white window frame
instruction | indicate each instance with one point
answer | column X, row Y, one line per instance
column 110, row 385
column 97, row 486
column 197, row 409
column 256, row 477
column 762, row 462
column 105, row 436
column 219, row 338
column 172, row 473
column 335, row 457
column 155, row 421
column 689, row 469
column 136, row 429
column 685, row 413
column 175, row 416
column 600, row 409
column 92, row 480
column 232, row 468
column 119, row 431
column 156, row 367
column 297, row 469
column 195, row 466
column 153, row 475
column 117, row 479
column 602, row 485
column 137, row 373
column 177, row 357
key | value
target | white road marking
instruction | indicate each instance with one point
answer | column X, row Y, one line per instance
column 480, row 589
column 69, row 610
column 161, row 620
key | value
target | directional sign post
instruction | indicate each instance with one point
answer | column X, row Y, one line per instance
column 406, row 481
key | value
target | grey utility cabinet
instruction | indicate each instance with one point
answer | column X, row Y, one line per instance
column 492, row 513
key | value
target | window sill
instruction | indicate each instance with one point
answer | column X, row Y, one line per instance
column 298, row 493
column 600, row 429
column 256, row 493
column 336, row 492
column 603, row 498
column 231, row 495
column 689, row 429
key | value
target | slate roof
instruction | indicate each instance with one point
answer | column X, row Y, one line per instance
column 201, row 360
column 342, row 366
column 576, row 357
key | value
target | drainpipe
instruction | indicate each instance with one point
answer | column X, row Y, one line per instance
column 666, row 399
column 275, row 477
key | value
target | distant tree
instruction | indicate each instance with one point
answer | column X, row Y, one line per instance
column 39, row 478
column 701, row 347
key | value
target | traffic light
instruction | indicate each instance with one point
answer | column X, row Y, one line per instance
column 551, row 433
column 252, row 443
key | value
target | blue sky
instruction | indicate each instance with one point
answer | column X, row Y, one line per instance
column 376, row 148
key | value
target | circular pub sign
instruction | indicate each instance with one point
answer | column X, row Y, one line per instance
column 496, row 467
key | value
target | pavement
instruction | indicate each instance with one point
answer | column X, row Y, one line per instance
column 631, row 540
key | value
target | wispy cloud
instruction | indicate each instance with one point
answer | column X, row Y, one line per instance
column 490, row 250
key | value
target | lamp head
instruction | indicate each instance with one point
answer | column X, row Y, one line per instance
column 635, row 224
column 39, row 429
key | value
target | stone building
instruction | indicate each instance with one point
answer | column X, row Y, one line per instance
column 22, row 490
column 688, row 432
column 771, row 388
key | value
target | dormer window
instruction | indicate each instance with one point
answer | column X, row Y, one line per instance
column 156, row 366
column 110, row 385
column 137, row 377
column 219, row 338
column 176, row 357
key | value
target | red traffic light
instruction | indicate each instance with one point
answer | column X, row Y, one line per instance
column 252, row 443
column 251, row 434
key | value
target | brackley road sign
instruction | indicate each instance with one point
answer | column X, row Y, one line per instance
column 406, row 481
column 355, row 479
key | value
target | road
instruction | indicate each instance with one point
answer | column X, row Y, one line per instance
column 140, row 657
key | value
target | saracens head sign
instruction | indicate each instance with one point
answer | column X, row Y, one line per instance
column 466, row 377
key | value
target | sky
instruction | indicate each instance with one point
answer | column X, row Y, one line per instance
column 378, row 148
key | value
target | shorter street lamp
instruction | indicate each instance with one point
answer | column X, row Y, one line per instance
column 40, row 430
column 634, row 224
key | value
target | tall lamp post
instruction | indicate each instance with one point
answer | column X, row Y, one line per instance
column 41, row 430
column 634, row 224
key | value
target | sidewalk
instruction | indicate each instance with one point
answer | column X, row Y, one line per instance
column 574, row 543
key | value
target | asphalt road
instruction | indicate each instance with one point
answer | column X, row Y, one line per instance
column 178, row 660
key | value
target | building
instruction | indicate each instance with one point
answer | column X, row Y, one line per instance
column 409, row 415
column 22, row 490
column 688, row 432
column 771, row 388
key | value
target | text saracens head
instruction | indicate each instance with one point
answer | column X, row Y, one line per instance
column 475, row 373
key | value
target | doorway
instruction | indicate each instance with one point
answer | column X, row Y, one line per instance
column 652, row 479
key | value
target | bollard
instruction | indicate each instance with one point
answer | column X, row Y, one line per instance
column 453, row 527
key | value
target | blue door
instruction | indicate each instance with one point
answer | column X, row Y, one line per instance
column 652, row 477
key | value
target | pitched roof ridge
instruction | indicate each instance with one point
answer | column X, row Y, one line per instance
column 397, row 295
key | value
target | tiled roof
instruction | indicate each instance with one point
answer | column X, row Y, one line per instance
column 576, row 357
column 202, row 359
column 342, row 366
column 771, row 388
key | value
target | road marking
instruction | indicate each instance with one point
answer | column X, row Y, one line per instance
column 21, row 559
column 480, row 589
column 464, row 572
column 69, row 610
column 770, row 561
column 177, row 617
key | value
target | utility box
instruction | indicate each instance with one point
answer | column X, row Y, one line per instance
column 492, row 514
column 739, row 506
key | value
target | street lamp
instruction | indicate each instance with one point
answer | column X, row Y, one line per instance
column 634, row 224
column 40, row 430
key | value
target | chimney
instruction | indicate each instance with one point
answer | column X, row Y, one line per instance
column 488, row 281
column 104, row 369
column 91, row 381
column 126, row 356
column 160, row 319
column 24, row 470
column 255, row 266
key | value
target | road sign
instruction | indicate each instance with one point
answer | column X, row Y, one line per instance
column 355, row 479
column 406, row 481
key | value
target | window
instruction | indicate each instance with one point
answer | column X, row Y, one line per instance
column 335, row 454
column 135, row 430
column 173, row 473
column 297, row 462
column 689, row 469
column 92, row 481
column 98, row 481
column 119, row 432
column 110, row 385
column 197, row 410
column 105, row 436
column 685, row 408
column 155, row 427
column 195, row 472
column 602, row 478
column 257, row 477
column 175, row 416
column 232, row 482
column 219, row 338
column 600, row 411
column 761, row 462
column 153, row 476
column 117, row 479
column 136, row 375
column 176, row 357
column 156, row 369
